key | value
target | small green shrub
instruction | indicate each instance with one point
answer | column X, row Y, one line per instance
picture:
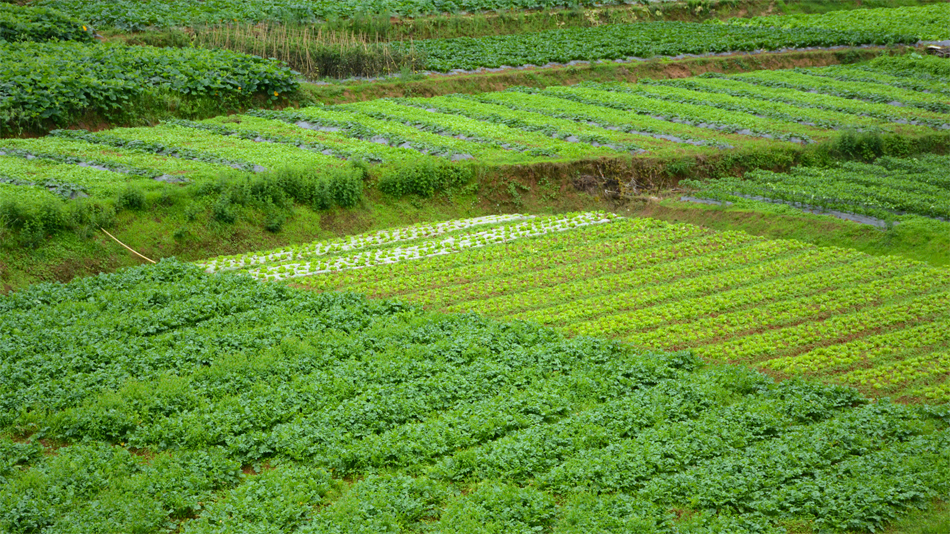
column 274, row 218
column 223, row 210
column 424, row 179
column 346, row 187
column 130, row 198
column 320, row 190
column 862, row 146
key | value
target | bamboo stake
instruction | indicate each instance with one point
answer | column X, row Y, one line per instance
column 126, row 246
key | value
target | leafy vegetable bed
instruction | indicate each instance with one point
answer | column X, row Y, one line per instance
column 55, row 83
column 132, row 401
column 362, row 252
column 136, row 15
column 18, row 23
column 885, row 190
column 930, row 22
column 622, row 41
column 783, row 305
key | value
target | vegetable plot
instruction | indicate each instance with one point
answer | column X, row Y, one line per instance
column 887, row 189
column 928, row 23
column 700, row 116
column 138, row 15
column 412, row 243
column 726, row 296
column 159, row 385
column 639, row 40
column 40, row 24
column 55, row 82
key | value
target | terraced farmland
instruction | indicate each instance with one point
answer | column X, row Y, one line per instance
column 705, row 116
column 728, row 297
column 474, row 305
column 391, row 418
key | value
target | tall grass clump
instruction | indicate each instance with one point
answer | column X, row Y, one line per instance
column 315, row 52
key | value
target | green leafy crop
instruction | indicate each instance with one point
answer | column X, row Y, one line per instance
column 40, row 24
column 51, row 83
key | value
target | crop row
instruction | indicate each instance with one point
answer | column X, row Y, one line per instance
column 628, row 41
column 532, row 278
column 345, row 244
column 714, row 83
column 886, row 189
column 911, row 67
column 791, row 309
column 727, row 296
column 804, row 80
column 374, row 415
column 73, row 180
column 928, row 23
column 447, row 243
column 907, row 370
column 852, row 73
column 689, row 311
column 875, row 349
column 138, row 15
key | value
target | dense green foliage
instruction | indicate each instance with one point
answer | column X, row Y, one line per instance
column 620, row 41
column 55, row 83
column 424, row 179
column 158, row 383
column 135, row 15
column 929, row 67
column 923, row 22
column 886, row 189
column 40, row 24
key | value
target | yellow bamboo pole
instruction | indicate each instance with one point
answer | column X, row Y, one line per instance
column 126, row 246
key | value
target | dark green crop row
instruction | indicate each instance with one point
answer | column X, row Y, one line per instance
column 136, row 15
column 158, row 383
column 620, row 41
column 52, row 83
column 40, row 24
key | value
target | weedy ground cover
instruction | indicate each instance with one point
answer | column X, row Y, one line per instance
column 163, row 399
